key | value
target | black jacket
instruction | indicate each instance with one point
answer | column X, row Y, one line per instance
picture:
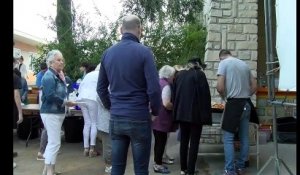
column 192, row 100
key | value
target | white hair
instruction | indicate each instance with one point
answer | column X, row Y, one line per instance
column 166, row 71
column 51, row 55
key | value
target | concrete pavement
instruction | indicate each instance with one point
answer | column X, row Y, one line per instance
column 72, row 162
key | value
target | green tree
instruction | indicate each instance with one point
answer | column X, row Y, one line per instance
column 172, row 28
column 86, row 45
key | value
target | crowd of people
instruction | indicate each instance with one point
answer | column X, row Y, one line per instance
column 124, row 100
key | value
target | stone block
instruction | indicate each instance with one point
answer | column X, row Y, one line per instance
column 226, row 12
column 213, row 84
column 247, row 45
column 251, row 1
column 209, row 65
column 213, row 36
column 262, row 102
column 236, row 37
column 253, row 37
column 250, row 28
column 265, row 120
column 253, row 21
column 230, row 45
column 211, row 55
column 217, row 46
column 216, row 13
column 225, row 5
column 216, row 65
column 247, row 13
column 214, row 27
column 254, row 55
column 225, row 20
column 210, row 74
column 268, row 111
column 212, row 91
column 235, row 28
column 244, row 55
column 242, row 20
column 215, row 5
column 252, row 64
column 212, row 20
column 208, row 45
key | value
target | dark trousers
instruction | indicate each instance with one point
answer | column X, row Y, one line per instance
column 159, row 145
column 189, row 145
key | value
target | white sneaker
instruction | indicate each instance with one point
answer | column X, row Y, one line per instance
column 108, row 169
column 14, row 165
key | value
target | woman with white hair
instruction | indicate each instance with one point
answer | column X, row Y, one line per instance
column 52, row 110
column 89, row 107
column 163, row 123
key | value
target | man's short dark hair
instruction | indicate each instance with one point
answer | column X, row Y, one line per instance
column 85, row 65
column 224, row 52
column 43, row 66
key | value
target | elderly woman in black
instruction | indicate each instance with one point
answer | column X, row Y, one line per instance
column 192, row 110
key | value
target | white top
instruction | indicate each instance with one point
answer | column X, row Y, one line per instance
column 23, row 70
column 87, row 87
column 88, row 90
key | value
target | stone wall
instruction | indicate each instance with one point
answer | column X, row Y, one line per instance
column 232, row 25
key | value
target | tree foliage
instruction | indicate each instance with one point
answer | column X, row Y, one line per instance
column 79, row 42
column 172, row 28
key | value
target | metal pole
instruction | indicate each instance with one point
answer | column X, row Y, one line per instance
column 271, row 86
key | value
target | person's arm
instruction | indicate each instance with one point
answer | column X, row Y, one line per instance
column 221, row 85
column 166, row 97
column 253, row 84
column 221, row 80
column 23, row 69
column 17, row 98
column 25, row 90
column 102, row 87
column 153, row 87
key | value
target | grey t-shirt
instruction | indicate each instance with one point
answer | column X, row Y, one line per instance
column 237, row 77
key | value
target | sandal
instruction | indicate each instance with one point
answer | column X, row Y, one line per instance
column 160, row 169
column 168, row 161
column 86, row 152
column 93, row 153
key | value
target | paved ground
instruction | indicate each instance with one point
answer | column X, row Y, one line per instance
column 72, row 162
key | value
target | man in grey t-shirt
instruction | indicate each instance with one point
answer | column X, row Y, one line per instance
column 236, row 85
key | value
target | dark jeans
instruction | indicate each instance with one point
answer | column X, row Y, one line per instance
column 124, row 131
column 159, row 145
column 189, row 145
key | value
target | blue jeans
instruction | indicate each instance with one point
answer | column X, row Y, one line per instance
column 228, row 139
column 124, row 131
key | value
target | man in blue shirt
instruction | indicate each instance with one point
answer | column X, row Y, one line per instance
column 129, row 70
column 39, row 76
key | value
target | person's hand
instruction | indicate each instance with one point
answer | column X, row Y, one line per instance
column 169, row 106
column 23, row 98
column 20, row 119
column 70, row 103
column 153, row 117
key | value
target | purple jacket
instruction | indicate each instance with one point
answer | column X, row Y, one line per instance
column 164, row 121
